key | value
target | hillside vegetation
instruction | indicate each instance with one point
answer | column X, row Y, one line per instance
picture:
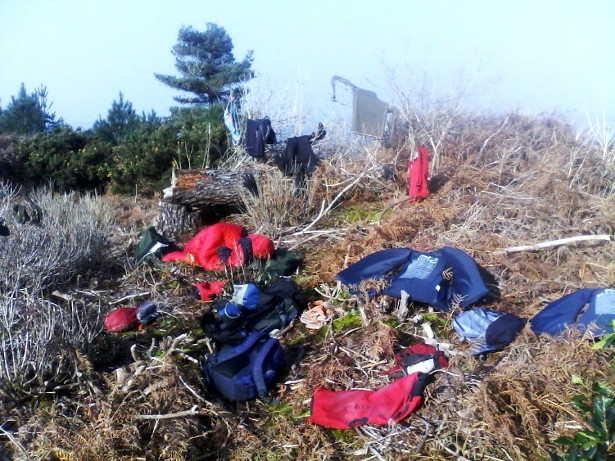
column 71, row 391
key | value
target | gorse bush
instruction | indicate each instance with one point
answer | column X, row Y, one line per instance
column 37, row 336
column 200, row 137
column 69, row 159
column 125, row 154
column 142, row 161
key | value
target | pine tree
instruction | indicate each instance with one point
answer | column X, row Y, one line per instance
column 207, row 66
column 121, row 120
column 28, row 114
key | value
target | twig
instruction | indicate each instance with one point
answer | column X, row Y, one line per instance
column 425, row 434
column 15, row 442
column 324, row 210
column 171, row 349
column 138, row 295
column 180, row 414
column 564, row 241
column 392, row 205
column 495, row 133
column 192, row 391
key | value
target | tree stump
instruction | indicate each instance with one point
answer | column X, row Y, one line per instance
column 202, row 195
column 174, row 219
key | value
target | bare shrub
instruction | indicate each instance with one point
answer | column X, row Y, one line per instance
column 431, row 116
column 277, row 206
column 70, row 241
column 39, row 342
column 71, row 238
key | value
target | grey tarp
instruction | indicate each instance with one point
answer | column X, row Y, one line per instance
column 369, row 113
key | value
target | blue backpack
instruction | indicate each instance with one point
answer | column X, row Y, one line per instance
column 246, row 371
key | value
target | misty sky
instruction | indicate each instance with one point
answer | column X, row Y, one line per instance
column 536, row 56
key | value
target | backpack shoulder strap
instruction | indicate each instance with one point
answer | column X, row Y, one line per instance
column 257, row 365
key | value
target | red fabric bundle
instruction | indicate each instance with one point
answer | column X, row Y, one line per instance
column 207, row 290
column 122, row 319
column 418, row 169
column 262, row 247
column 349, row 409
column 415, row 354
column 203, row 248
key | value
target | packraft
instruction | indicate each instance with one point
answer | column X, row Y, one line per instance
column 357, row 407
column 245, row 371
column 585, row 309
column 440, row 279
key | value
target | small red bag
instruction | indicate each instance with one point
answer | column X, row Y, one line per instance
column 122, row 319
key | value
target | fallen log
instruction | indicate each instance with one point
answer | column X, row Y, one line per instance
column 200, row 196
column 207, row 187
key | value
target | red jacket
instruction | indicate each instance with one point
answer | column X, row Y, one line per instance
column 418, row 170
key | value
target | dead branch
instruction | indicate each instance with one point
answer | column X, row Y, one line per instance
column 15, row 442
column 180, row 414
column 325, row 210
column 564, row 241
column 138, row 295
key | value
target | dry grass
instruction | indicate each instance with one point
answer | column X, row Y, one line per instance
column 501, row 181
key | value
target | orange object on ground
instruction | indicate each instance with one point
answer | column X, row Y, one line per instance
column 207, row 290
column 316, row 316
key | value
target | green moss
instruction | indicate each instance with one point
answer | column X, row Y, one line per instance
column 439, row 324
column 354, row 214
column 350, row 320
column 345, row 436
column 285, row 410
column 45, row 403
column 392, row 322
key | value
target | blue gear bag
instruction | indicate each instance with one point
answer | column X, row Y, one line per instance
column 245, row 371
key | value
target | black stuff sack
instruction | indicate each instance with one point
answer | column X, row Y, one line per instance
column 269, row 310
column 247, row 371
